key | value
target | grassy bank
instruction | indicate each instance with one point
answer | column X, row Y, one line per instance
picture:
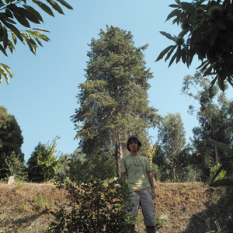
column 180, row 207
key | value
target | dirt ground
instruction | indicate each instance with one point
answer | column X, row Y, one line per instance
column 180, row 207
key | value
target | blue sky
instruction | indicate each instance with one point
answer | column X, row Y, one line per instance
column 42, row 93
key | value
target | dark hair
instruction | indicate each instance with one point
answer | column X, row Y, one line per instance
column 134, row 139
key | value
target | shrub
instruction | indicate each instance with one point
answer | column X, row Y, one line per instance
column 94, row 205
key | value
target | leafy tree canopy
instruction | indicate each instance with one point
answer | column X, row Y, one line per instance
column 206, row 32
column 16, row 13
column 11, row 138
column 215, row 120
column 113, row 99
column 171, row 138
column 35, row 172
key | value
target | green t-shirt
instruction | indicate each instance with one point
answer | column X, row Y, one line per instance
column 136, row 169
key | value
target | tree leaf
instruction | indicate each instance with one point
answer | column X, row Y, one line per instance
column 175, row 12
column 212, row 83
column 8, row 13
column 21, row 19
column 178, row 54
column 203, row 63
column 11, row 46
column 188, row 7
column 64, row 3
column 208, row 70
column 38, row 34
column 169, row 36
column 170, row 52
column 221, row 83
column 7, row 68
column 174, row 6
column 219, row 170
column 183, row 33
column 14, row 29
column 222, row 146
column 3, row 72
column 34, row 12
column 172, row 60
column 223, row 182
column 55, row 6
column 3, row 50
column 40, row 29
column 164, row 52
column 14, row 38
column 183, row 55
column 178, row 2
column 5, row 37
column 44, row 7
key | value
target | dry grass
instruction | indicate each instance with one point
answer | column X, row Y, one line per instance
column 184, row 207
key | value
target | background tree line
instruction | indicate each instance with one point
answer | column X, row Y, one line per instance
column 113, row 105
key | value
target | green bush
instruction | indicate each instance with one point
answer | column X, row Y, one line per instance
column 94, row 205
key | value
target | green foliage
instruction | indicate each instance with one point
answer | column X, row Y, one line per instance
column 193, row 173
column 215, row 121
column 49, row 162
column 16, row 167
column 113, row 100
column 213, row 171
column 94, row 206
column 224, row 182
column 15, row 13
column 63, row 162
column 35, row 173
column 207, row 32
column 156, row 172
column 11, row 139
column 171, row 138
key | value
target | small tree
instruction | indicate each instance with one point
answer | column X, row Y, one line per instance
column 97, row 202
column 48, row 161
column 16, row 167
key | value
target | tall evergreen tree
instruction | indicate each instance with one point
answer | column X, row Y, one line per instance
column 113, row 100
column 11, row 139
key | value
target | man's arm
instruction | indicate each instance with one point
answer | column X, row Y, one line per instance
column 150, row 178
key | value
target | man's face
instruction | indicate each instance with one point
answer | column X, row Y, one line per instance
column 133, row 146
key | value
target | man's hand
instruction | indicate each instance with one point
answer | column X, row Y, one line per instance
column 153, row 194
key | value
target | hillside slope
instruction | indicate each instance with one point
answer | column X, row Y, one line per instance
column 180, row 207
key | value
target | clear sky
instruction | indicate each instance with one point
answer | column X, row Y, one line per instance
column 42, row 93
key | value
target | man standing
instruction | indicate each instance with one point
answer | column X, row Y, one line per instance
column 140, row 183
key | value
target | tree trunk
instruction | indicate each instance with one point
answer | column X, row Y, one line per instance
column 174, row 173
column 118, row 154
column 216, row 153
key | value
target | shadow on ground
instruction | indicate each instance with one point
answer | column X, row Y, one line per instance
column 211, row 219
